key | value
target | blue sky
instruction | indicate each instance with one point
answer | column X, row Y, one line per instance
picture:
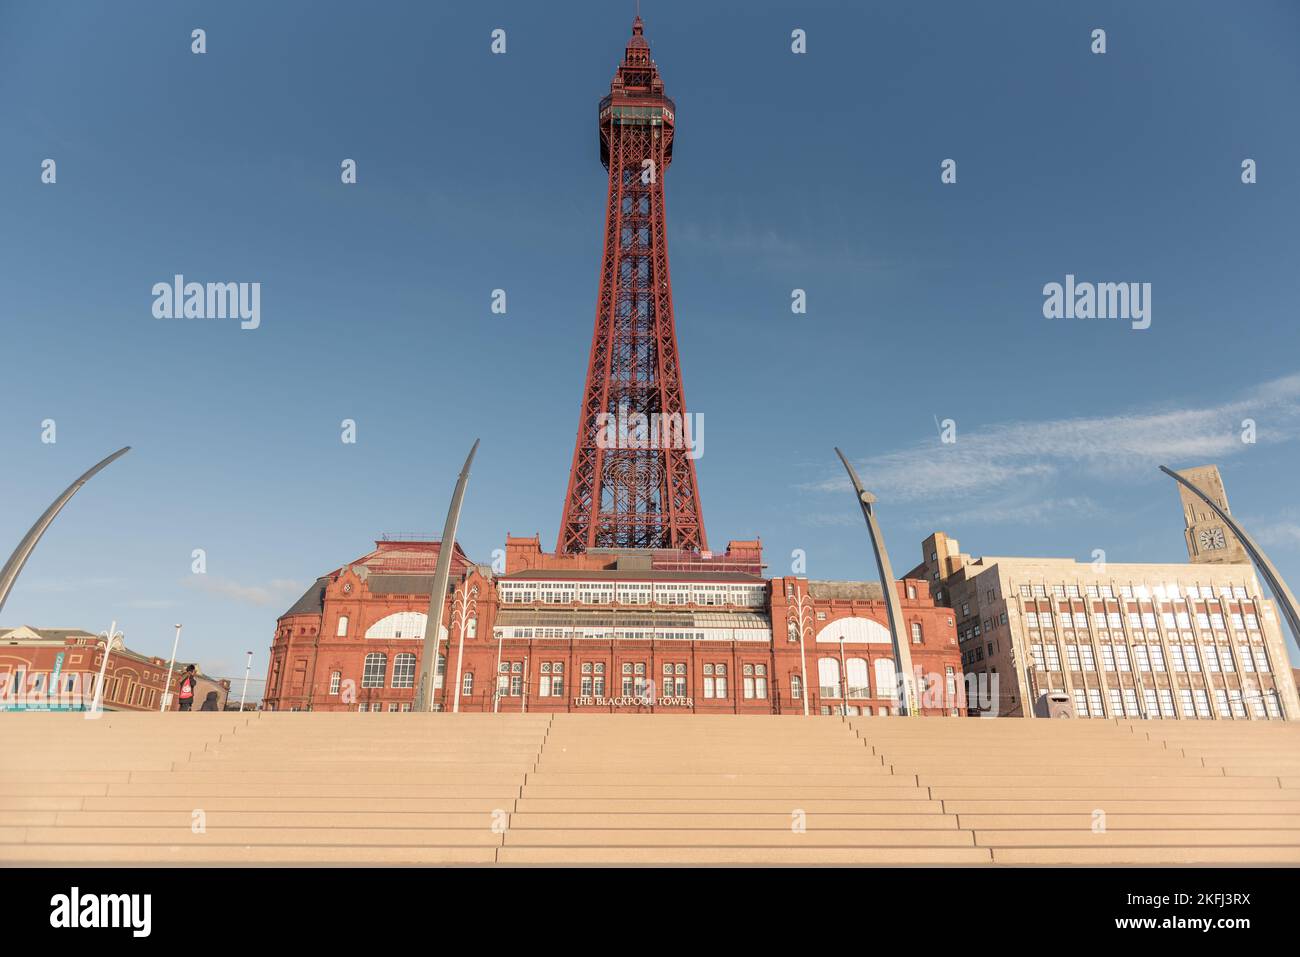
column 478, row 171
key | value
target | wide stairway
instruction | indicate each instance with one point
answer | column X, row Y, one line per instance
column 357, row 789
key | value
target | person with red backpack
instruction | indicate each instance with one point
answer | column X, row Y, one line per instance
column 188, row 684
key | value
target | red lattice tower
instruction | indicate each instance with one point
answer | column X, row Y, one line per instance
column 629, row 497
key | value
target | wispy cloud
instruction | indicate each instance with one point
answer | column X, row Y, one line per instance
column 737, row 240
column 1279, row 534
column 1016, row 512
column 765, row 246
column 1003, row 456
column 272, row 593
column 62, row 586
column 850, row 517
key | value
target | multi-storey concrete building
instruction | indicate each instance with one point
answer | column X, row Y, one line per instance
column 1115, row 640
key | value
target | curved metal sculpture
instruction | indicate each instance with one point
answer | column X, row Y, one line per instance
column 889, row 588
column 1281, row 593
column 19, row 558
column 426, row 693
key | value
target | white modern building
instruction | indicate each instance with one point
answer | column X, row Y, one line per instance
column 1106, row 640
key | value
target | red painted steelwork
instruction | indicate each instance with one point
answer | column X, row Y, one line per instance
column 633, row 497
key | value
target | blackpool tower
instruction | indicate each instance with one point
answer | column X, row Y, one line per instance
column 632, row 485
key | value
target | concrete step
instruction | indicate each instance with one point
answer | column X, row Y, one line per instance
column 482, row 836
column 769, row 792
column 215, row 820
column 1111, row 780
column 178, row 855
column 741, row 856
column 847, row 779
column 1060, row 771
column 415, row 776
column 9, row 788
column 727, row 806
column 728, row 837
column 296, row 804
column 1173, row 805
column 39, row 803
column 1119, row 837
column 738, row 820
column 1109, row 792
column 1238, row 856
column 1120, row 821
column 234, row 788
column 829, row 769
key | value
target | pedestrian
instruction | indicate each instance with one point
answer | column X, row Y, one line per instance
column 210, row 702
column 189, row 683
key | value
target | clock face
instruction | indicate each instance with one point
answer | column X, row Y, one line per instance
column 1212, row 538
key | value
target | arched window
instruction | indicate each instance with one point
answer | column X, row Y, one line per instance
column 404, row 670
column 467, row 684
column 857, row 675
column 828, row 677
column 440, row 672
column 372, row 674
column 854, row 631
column 886, row 683
column 471, row 629
column 402, row 624
column 335, row 678
column 796, row 687
column 343, row 626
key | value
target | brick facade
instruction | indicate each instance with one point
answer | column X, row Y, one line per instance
column 44, row 668
column 603, row 631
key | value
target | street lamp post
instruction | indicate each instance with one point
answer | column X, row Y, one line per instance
column 844, row 683
column 167, row 691
column 496, row 679
column 802, row 623
column 111, row 637
column 248, row 668
column 468, row 608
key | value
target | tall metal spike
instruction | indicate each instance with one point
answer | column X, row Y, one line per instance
column 902, row 653
column 18, row 559
column 426, row 695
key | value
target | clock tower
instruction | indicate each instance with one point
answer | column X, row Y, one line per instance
column 1209, row 541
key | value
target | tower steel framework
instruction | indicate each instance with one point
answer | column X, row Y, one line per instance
column 632, row 483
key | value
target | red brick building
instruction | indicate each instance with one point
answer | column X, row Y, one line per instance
column 55, row 669
column 609, row 630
